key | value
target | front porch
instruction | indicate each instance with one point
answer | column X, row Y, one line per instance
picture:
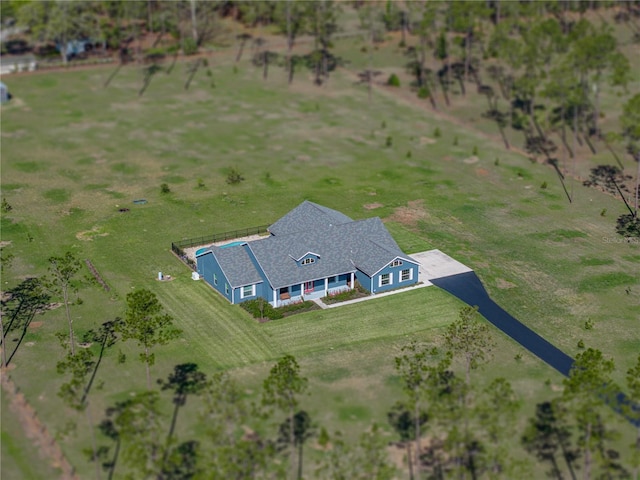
column 312, row 290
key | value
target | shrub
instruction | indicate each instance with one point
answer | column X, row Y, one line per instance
column 260, row 308
column 235, row 69
column 603, row 212
column 580, row 344
column 383, row 125
column 200, row 183
column 389, row 141
column 164, row 188
column 496, row 162
column 408, row 153
column 298, row 307
column 544, row 185
column 436, row 133
column 628, row 225
column 455, row 141
column 6, row 208
column 475, row 150
column 234, row 177
column 393, row 80
column 518, row 357
column 423, row 92
column 189, row 47
column 588, row 325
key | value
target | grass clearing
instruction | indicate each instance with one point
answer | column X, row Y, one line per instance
column 550, row 263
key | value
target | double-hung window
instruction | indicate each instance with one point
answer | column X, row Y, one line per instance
column 248, row 291
column 406, row 275
column 385, row 279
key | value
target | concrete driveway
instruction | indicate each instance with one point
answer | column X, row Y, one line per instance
column 435, row 264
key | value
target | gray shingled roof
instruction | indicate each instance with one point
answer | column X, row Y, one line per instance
column 364, row 244
column 342, row 244
column 236, row 265
column 307, row 216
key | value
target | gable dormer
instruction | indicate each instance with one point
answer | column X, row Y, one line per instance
column 308, row 258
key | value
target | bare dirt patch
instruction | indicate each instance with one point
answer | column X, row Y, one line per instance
column 35, row 430
column 372, row 206
column 471, row 160
column 89, row 235
column 481, row 172
column 427, row 141
column 35, row 325
column 411, row 214
column 5, row 243
column 504, row 284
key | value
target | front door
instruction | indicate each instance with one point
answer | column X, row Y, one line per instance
column 308, row 287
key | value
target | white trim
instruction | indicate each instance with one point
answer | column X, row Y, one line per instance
column 410, row 270
column 417, row 264
column 253, row 291
column 380, row 284
column 326, row 286
column 308, row 253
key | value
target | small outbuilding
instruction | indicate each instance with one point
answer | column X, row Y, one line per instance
column 4, row 93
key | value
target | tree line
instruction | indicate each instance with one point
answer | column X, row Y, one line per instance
column 543, row 66
column 450, row 421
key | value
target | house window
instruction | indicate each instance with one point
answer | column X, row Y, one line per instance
column 226, row 289
column 396, row 263
column 406, row 275
column 332, row 280
column 385, row 279
column 308, row 261
column 215, row 279
column 248, row 291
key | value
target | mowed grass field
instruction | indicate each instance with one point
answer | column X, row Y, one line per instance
column 74, row 153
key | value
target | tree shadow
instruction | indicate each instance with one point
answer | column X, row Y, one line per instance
column 185, row 380
column 148, row 72
column 554, row 163
column 24, row 301
column 106, row 336
column 303, row 430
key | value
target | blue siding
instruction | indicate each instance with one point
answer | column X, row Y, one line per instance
column 395, row 275
column 364, row 280
column 264, row 289
column 207, row 268
column 340, row 281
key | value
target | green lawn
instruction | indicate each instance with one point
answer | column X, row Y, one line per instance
column 74, row 153
column 20, row 458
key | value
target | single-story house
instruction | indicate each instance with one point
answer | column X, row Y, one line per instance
column 311, row 252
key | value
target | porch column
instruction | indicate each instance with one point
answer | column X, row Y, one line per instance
column 275, row 294
column 352, row 284
column 302, row 290
column 326, row 287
